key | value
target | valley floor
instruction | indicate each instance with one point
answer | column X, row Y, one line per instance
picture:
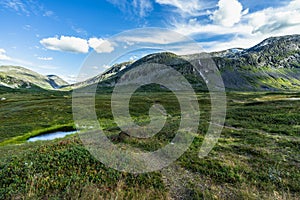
column 256, row 157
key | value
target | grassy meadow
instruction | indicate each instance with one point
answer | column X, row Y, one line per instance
column 256, row 157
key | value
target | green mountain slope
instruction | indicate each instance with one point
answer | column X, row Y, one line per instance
column 19, row 77
column 272, row 65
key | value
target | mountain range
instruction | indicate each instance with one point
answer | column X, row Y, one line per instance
column 272, row 65
column 16, row 77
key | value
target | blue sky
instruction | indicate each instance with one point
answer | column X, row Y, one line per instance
column 55, row 37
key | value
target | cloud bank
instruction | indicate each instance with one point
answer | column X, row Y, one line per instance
column 218, row 26
column 66, row 43
column 100, row 45
column 240, row 26
column 77, row 45
column 229, row 13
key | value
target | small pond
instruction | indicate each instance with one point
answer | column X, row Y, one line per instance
column 51, row 136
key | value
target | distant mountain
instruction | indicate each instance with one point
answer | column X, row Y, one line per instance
column 105, row 77
column 56, row 82
column 273, row 64
column 19, row 77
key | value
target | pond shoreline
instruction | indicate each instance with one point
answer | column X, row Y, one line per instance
column 51, row 136
column 25, row 137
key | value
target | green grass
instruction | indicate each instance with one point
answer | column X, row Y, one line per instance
column 65, row 169
column 24, row 112
column 256, row 157
column 23, row 138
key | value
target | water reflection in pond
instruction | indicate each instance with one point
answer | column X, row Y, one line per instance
column 51, row 136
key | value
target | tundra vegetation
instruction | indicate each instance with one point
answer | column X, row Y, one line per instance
column 256, row 157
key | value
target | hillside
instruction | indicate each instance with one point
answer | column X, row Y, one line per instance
column 272, row 65
column 105, row 77
column 56, row 82
column 19, row 77
column 256, row 157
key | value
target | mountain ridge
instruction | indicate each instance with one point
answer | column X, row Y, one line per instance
column 16, row 77
column 271, row 65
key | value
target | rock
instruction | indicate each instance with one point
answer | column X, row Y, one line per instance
column 123, row 135
column 120, row 137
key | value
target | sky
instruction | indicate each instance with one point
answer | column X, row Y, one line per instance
column 56, row 37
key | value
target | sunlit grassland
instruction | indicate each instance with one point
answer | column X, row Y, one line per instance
column 256, row 157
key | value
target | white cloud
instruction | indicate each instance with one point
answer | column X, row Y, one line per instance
column 16, row 5
column 106, row 66
column 151, row 36
column 142, row 7
column 66, row 43
column 245, row 29
column 27, row 7
column 101, row 45
column 77, row 45
column 229, row 13
column 133, row 58
column 277, row 19
column 194, row 27
column 135, row 7
column 185, row 7
column 155, row 40
column 45, row 58
column 69, row 78
column 3, row 55
column 235, row 42
column 48, row 13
